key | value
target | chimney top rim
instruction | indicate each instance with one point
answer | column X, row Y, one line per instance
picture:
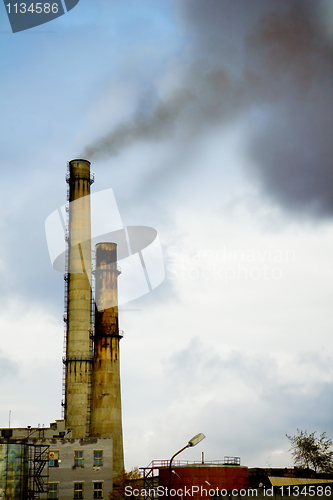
column 80, row 159
column 105, row 243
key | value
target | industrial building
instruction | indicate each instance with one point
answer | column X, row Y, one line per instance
column 43, row 463
column 229, row 479
column 81, row 455
column 194, row 480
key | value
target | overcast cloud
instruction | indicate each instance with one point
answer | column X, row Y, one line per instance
column 212, row 122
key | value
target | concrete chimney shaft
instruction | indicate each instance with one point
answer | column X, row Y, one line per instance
column 79, row 343
column 106, row 421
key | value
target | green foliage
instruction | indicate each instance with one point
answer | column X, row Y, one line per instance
column 312, row 452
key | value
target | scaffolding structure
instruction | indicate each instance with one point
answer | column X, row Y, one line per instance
column 24, row 470
column 38, row 471
column 66, row 279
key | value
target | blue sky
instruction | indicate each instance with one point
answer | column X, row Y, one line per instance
column 221, row 116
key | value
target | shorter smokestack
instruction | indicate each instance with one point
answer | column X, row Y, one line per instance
column 106, row 419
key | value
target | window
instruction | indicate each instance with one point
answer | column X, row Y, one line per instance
column 78, row 459
column 54, row 490
column 54, row 458
column 78, row 490
column 98, row 489
column 98, row 457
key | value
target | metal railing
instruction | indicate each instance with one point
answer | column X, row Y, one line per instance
column 155, row 464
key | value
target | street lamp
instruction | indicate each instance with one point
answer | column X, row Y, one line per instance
column 192, row 442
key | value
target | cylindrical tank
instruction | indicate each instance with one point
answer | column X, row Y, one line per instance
column 79, row 342
column 106, row 419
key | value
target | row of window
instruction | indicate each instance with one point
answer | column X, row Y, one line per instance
column 78, row 458
column 78, row 490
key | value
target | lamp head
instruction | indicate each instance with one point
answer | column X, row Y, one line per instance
column 196, row 439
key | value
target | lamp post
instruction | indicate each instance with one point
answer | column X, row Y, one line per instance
column 192, row 442
column 180, row 483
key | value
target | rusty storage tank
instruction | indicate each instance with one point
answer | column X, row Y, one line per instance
column 198, row 481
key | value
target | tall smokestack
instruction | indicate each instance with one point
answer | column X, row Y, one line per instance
column 79, row 343
column 106, row 419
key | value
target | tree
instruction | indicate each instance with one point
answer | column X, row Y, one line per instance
column 123, row 480
column 312, row 452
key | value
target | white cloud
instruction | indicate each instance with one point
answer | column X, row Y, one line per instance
column 32, row 336
column 220, row 356
column 31, row 351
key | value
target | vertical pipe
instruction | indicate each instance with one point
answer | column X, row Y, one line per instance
column 106, row 419
column 79, row 343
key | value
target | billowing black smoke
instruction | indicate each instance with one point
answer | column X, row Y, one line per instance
column 264, row 59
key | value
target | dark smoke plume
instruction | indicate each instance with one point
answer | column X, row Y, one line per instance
column 282, row 74
column 156, row 126
column 294, row 154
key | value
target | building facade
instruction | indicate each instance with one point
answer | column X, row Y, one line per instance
column 81, row 455
column 49, row 463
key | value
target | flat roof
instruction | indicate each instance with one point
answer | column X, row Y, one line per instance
column 291, row 481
